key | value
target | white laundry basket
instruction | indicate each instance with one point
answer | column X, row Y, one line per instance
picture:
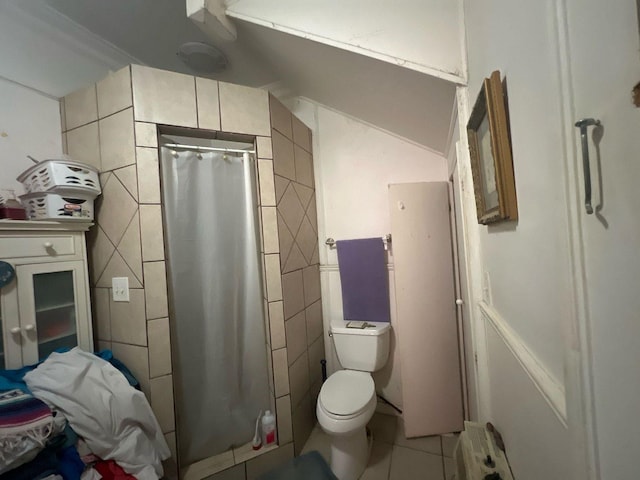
column 53, row 174
column 59, row 205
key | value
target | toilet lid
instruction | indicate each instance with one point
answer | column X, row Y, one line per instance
column 347, row 392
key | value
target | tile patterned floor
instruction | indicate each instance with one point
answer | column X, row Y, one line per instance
column 393, row 456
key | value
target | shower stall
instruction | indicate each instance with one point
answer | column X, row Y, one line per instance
column 215, row 284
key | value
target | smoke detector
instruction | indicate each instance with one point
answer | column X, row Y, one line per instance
column 203, row 58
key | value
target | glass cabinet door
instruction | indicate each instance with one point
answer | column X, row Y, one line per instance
column 50, row 298
column 55, row 311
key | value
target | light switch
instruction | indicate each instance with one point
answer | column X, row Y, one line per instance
column 120, row 289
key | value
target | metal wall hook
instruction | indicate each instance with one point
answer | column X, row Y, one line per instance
column 583, row 125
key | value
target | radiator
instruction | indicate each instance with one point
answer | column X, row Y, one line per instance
column 477, row 457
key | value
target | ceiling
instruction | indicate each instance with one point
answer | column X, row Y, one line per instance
column 405, row 102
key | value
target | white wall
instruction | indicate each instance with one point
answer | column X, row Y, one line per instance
column 423, row 36
column 29, row 125
column 354, row 164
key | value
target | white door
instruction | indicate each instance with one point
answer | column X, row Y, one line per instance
column 426, row 308
column 52, row 300
column 604, row 63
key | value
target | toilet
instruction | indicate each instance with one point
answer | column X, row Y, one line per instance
column 347, row 399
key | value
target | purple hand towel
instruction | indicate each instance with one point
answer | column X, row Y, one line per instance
column 364, row 278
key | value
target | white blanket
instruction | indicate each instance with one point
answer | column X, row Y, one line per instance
column 115, row 419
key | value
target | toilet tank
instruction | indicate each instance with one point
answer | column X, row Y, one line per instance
column 362, row 349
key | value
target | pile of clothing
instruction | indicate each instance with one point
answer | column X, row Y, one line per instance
column 77, row 416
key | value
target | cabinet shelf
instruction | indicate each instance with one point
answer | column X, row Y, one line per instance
column 55, row 307
column 58, row 337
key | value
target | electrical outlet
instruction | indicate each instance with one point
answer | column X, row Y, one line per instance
column 120, row 289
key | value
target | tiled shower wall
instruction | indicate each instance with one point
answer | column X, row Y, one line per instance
column 113, row 126
column 299, row 264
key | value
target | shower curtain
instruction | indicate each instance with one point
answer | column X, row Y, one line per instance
column 218, row 341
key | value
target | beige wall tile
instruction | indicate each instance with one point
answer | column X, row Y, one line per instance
column 148, row 175
column 129, row 178
column 146, row 134
column 100, row 251
column 273, row 281
column 315, row 258
column 208, row 104
column 155, row 290
column 117, row 141
column 137, row 360
column 293, row 293
column 151, row 233
column 301, row 134
column 280, row 372
column 311, row 277
column 114, row 92
column 299, row 379
column 312, row 214
column 295, row 261
column 283, row 156
column 273, row 459
column 170, row 465
column 270, row 371
column 290, row 208
column 304, row 167
column 117, row 267
column 244, row 109
column 276, row 325
column 101, row 319
column 128, row 320
column 83, row 145
column 115, row 209
column 267, row 187
column 270, row 230
column 280, row 117
column 164, row 97
column 103, row 345
column 303, row 420
column 263, row 146
column 129, row 247
column 296, row 331
column 162, row 402
column 313, row 314
column 283, row 419
column 307, row 240
column 305, row 194
column 285, row 237
column 81, row 107
column 65, row 147
column 316, row 353
column 159, row 347
column 280, row 184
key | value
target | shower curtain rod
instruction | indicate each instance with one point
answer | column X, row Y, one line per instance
column 211, row 149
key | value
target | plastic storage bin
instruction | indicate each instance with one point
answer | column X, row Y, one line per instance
column 65, row 174
column 59, row 205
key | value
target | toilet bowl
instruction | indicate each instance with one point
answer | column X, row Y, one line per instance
column 347, row 400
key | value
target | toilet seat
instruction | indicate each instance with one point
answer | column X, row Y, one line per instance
column 347, row 393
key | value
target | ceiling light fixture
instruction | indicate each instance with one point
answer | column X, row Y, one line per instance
column 203, row 58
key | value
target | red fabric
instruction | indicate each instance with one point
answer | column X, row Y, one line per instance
column 110, row 470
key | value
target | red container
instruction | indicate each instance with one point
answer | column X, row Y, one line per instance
column 13, row 213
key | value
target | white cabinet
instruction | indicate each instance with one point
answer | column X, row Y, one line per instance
column 47, row 306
